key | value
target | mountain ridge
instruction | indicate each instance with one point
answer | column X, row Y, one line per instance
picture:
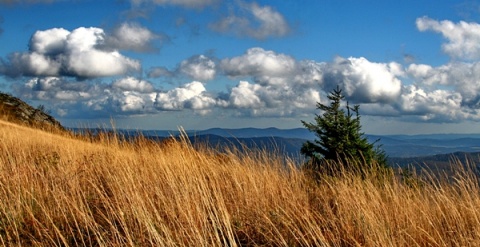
column 16, row 110
column 401, row 146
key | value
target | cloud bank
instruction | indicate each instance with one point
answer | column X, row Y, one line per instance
column 72, row 71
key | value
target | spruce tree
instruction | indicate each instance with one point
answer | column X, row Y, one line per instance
column 340, row 138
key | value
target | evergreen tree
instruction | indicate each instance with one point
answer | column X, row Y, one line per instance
column 340, row 138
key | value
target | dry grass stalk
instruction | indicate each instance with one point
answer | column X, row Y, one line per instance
column 62, row 191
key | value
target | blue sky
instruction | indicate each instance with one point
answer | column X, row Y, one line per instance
column 413, row 66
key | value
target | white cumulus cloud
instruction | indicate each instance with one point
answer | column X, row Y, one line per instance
column 55, row 90
column 436, row 105
column 199, row 68
column 133, row 84
column 364, row 81
column 284, row 86
column 244, row 95
column 49, row 42
column 85, row 60
column 72, row 98
column 132, row 36
column 261, row 64
column 463, row 37
column 58, row 52
column 461, row 77
column 30, row 64
column 130, row 102
column 272, row 100
column 255, row 21
column 190, row 96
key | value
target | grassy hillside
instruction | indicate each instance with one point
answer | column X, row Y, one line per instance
column 61, row 191
column 13, row 109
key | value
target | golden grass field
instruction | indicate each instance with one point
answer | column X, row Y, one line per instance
column 59, row 190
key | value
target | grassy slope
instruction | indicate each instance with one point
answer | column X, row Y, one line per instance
column 55, row 190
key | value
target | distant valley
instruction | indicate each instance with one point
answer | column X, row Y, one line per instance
column 401, row 149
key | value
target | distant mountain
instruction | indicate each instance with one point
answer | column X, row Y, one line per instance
column 291, row 140
column 394, row 145
column 435, row 136
column 422, row 145
column 440, row 163
column 298, row 133
column 280, row 145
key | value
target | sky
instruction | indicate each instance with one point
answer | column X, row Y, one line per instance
column 412, row 66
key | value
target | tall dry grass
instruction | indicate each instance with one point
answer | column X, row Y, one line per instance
column 61, row 191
